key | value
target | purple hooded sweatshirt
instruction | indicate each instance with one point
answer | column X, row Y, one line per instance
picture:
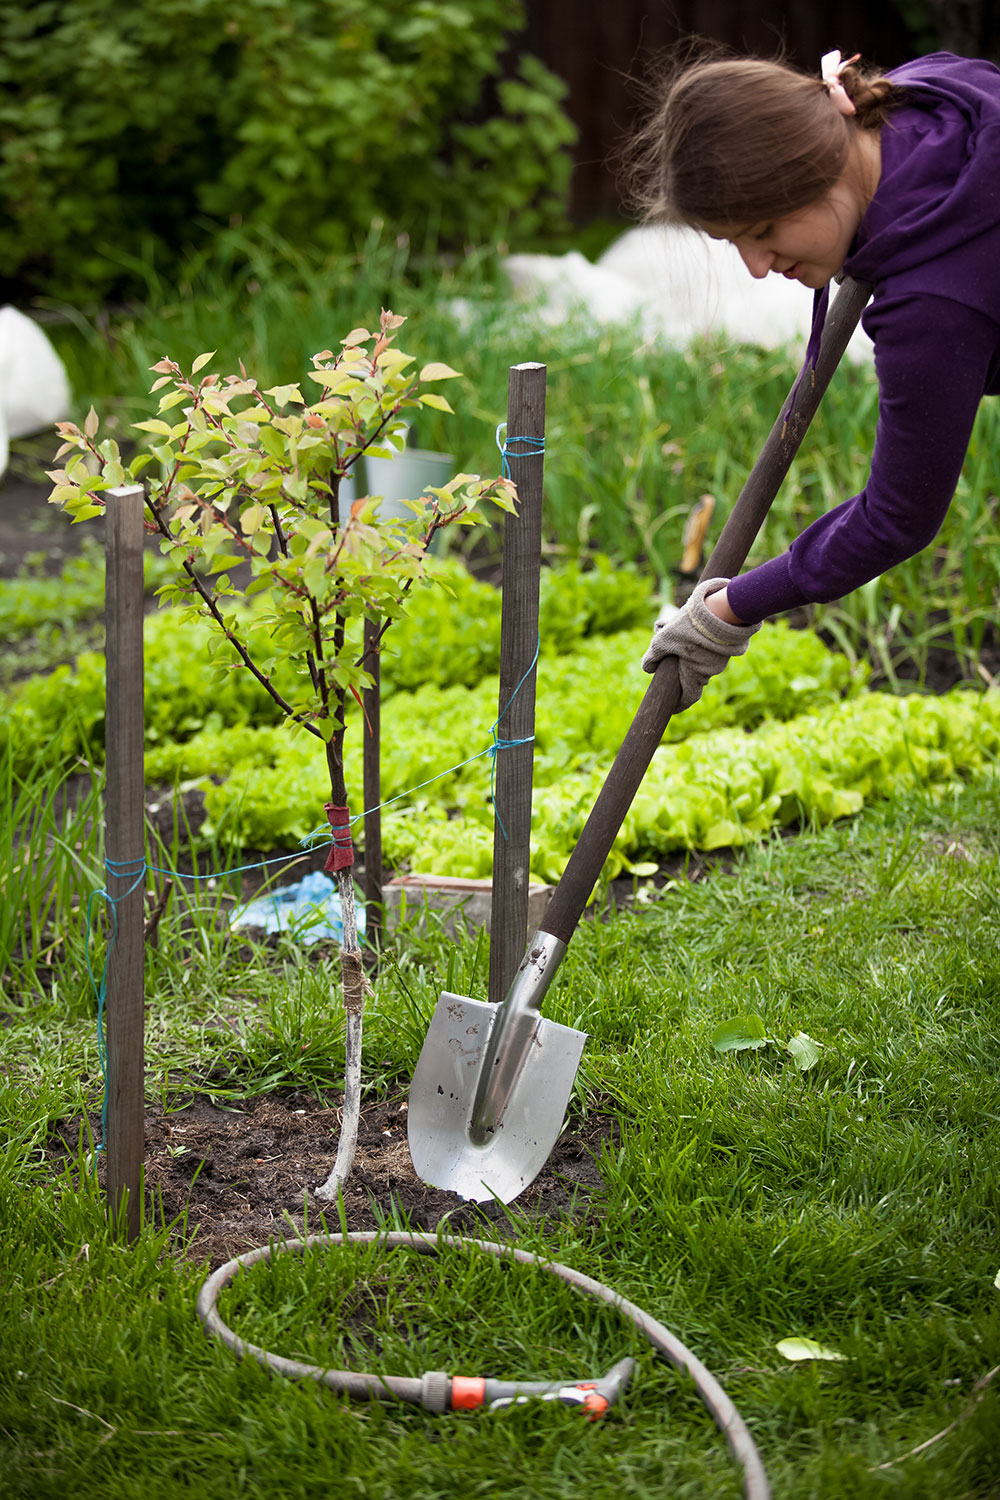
column 929, row 243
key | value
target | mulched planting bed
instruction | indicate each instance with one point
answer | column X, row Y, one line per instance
column 259, row 1160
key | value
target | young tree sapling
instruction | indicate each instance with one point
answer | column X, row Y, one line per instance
column 245, row 493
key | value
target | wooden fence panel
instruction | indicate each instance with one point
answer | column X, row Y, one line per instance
column 602, row 51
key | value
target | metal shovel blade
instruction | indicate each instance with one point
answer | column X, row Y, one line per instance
column 443, row 1094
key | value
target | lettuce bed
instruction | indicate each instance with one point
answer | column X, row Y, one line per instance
column 726, row 787
column 450, row 638
column 788, row 733
column 711, row 784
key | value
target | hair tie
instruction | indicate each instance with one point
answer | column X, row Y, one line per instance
column 831, row 66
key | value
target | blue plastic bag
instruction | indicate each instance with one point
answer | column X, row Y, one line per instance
column 309, row 910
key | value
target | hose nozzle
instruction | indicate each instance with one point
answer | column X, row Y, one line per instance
column 595, row 1397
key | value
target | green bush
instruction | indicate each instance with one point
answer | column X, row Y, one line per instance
column 130, row 131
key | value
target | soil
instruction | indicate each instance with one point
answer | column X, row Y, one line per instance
column 240, row 1175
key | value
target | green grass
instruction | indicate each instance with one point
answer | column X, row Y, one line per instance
column 855, row 1203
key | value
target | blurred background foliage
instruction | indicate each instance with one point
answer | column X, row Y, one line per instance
column 177, row 176
column 130, row 135
column 134, row 133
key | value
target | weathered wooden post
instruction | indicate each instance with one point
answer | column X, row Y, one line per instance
column 125, row 852
column 371, row 730
column 522, row 557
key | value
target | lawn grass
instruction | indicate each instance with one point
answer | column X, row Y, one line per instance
column 744, row 1201
column 855, row 1203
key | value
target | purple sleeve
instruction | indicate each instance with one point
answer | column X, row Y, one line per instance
column 935, row 359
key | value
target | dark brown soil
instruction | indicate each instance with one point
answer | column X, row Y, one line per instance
column 28, row 525
column 241, row 1175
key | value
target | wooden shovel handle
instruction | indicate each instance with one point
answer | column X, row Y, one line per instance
column 730, row 553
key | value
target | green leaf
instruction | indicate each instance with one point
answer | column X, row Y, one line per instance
column 723, row 834
column 740, row 1033
column 223, row 561
column 202, row 361
column 273, row 443
column 334, row 380
column 162, row 429
column 291, row 425
column 252, row 519
column 285, row 393
column 800, row 1349
column 295, row 487
column 438, row 371
column 438, row 403
column 805, row 1052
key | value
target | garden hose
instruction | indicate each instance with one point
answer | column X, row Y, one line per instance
column 437, row 1392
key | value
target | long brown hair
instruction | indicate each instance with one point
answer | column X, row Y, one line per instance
column 737, row 140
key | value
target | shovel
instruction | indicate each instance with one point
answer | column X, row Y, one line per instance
column 492, row 1082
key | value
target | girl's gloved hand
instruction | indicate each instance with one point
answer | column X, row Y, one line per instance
column 701, row 641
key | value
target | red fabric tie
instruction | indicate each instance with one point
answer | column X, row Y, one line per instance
column 341, row 854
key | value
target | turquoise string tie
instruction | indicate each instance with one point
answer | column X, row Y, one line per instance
column 502, row 744
column 535, row 446
column 121, row 869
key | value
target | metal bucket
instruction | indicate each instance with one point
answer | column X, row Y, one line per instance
column 406, row 477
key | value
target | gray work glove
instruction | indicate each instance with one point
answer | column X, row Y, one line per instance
column 701, row 641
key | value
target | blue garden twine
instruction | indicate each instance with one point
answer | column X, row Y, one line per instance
column 123, row 869
column 501, row 744
column 535, row 447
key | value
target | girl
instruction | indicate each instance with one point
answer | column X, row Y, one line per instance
column 894, row 180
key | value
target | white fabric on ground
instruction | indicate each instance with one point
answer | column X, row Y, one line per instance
column 34, row 391
column 675, row 285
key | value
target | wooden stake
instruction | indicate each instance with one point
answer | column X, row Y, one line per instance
column 522, row 555
column 124, row 843
column 371, row 758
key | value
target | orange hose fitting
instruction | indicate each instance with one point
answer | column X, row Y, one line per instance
column 467, row 1392
column 596, row 1405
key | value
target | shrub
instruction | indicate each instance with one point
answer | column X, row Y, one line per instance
column 130, row 130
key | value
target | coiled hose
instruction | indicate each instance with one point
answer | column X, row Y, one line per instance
column 433, row 1391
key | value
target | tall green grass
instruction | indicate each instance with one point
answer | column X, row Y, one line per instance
column 635, row 432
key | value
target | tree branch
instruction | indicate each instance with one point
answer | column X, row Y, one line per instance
column 210, row 602
column 372, row 646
